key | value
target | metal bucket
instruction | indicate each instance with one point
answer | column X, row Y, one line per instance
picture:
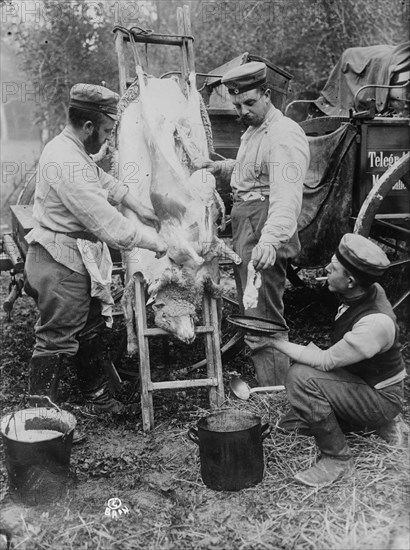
column 37, row 446
column 230, row 449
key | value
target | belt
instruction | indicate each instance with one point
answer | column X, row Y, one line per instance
column 250, row 196
column 86, row 235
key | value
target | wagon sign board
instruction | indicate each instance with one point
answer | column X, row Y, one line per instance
column 383, row 143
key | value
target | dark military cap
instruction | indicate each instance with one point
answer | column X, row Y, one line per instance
column 361, row 254
column 245, row 77
column 98, row 99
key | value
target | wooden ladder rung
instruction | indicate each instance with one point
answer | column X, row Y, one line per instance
column 164, row 39
column 181, row 384
column 162, row 332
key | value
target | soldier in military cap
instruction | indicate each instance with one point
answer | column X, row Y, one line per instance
column 267, row 184
column 357, row 383
column 74, row 199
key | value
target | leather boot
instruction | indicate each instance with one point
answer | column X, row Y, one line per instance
column 44, row 378
column 395, row 432
column 93, row 381
column 325, row 472
column 291, row 423
column 271, row 366
column 336, row 461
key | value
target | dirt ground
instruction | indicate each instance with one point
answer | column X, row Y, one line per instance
column 156, row 476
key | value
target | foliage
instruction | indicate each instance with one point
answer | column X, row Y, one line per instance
column 74, row 40
column 305, row 37
column 69, row 44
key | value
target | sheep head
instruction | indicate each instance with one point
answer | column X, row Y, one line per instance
column 175, row 304
column 176, row 316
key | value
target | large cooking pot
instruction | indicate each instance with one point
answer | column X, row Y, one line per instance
column 230, row 449
column 37, row 446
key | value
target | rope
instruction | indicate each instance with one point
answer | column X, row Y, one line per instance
column 207, row 125
column 124, row 30
column 142, row 31
column 149, row 32
column 134, row 50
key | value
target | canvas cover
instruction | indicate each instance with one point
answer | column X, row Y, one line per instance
column 359, row 67
column 327, row 195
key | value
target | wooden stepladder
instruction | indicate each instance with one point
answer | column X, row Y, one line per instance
column 184, row 40
column 210, row 330
column 210, row 326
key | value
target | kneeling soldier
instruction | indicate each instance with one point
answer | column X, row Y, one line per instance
column 358, row 381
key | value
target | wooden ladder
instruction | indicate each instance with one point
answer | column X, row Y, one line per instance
column 210, row 330
column 184, row 40
column 210, row 326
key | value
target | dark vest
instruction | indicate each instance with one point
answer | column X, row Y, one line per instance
column 383, row 365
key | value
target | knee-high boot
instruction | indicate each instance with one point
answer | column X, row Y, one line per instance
column 92, row 378
column 336, row 460
column 44, row 378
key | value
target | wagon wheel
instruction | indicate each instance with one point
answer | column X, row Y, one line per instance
column 396, row 229
column 368, row 212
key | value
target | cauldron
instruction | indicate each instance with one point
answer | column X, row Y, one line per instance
column 230, row 449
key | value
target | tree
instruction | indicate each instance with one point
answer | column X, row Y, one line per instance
column 74, row 41
column 71, row 43
column 305, row 37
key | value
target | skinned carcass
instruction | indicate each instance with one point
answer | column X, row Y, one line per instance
column 161, row 140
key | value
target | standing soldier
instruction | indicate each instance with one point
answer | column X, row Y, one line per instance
column 74, row 200
column 267, row 185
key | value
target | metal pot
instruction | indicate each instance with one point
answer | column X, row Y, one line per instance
column 37, row 446
column 230, row 449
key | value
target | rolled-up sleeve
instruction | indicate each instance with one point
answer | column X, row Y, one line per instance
column 372, row 334
column 287, row 158
column 81, row 192
column 116, row 188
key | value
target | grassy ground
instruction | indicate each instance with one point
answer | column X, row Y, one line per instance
column 157, row 476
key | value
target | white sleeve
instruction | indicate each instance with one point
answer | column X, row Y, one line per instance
column 288, row 161
column 372, row 334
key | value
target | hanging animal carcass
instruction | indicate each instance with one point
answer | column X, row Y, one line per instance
column 161, row 140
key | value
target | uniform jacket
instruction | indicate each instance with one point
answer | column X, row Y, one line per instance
column 73, row 194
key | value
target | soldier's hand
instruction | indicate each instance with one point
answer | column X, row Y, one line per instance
column 161, row 248
column 210, row 165
column 98, row 157
column 263, row 256
column 147, row 216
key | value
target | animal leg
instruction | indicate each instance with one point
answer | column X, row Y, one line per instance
column 224, row 252
column 127, row 303
column 221, row 207
column 213, row 288
column 189, row 147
